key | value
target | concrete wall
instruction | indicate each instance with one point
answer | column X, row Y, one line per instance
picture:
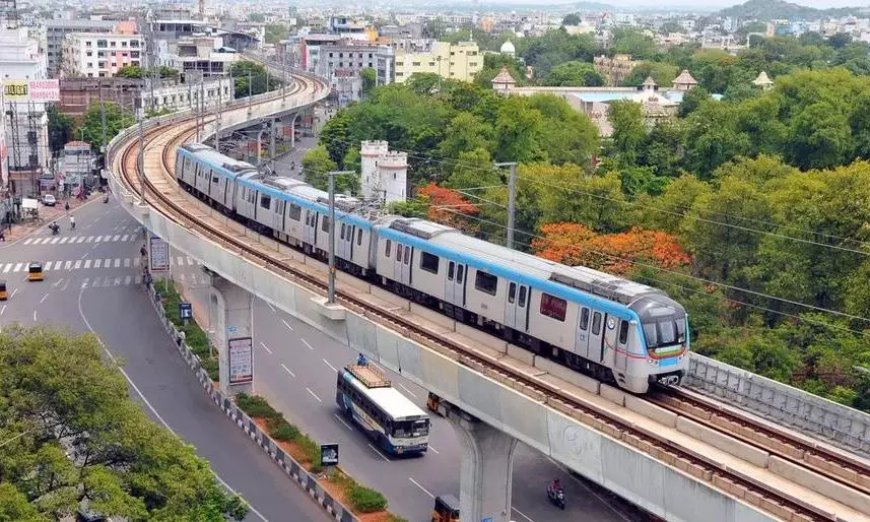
column 843, row 426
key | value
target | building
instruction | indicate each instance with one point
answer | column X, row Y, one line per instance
column 78, row 167
column 56, row 31
column 384, row 172
column 342, row 64
column 508, row 49
column 25, row 119
column 98, row 55
column 309, row 49
column 460, row 61
column 205, row 53
column 614, row 70
column 763, row 81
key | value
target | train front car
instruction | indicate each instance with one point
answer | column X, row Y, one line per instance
column 662, row 337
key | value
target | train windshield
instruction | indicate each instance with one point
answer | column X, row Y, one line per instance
column 665, row 332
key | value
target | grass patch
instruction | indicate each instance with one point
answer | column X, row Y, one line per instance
column 194, row 336
column 279, row 429
column 366, row 500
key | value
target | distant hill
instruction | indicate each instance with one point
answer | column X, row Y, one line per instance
column 779, row 9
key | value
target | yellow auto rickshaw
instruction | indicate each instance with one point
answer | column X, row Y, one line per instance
column 3, row 294
column 446, row 509
column 34, row 272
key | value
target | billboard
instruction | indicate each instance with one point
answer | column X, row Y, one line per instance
column 31, row 90
column 159, row 255
column 241, row 354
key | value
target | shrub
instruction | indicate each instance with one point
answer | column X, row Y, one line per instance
column 211, row 368
column 365, row 500
column 284, row 431
column 256, row 406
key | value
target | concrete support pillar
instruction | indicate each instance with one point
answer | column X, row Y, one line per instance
column 293, row 133
column 231, row 314
column 487, row 470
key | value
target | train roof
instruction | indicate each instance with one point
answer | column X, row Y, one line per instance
column 209, row 155
column 608, row 286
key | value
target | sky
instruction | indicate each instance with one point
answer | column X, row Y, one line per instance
column 713, row 4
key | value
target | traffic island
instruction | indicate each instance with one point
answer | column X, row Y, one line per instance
column 295, row 452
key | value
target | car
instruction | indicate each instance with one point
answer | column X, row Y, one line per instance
column 49, row 200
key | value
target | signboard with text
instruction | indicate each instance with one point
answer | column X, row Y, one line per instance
column 31, row 90
column 329, row 454
column 158, row 255
column 241, row 355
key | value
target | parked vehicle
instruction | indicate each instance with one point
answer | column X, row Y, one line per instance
column 48, row 200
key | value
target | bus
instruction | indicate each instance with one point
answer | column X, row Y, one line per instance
column 389, row 418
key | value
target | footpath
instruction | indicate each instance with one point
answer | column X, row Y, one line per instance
column 46, row 216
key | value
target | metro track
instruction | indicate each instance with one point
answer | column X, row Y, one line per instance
column 165, row 196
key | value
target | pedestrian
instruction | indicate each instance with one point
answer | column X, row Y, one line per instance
column 2, row 236
column 66, row 206
column 143, row 251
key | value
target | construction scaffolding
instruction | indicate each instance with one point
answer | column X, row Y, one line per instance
column 8, row 14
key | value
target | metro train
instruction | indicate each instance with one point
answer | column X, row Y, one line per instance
column 609, row 327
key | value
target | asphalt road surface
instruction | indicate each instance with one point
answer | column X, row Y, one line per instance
column 295, row 368
column 92, row 283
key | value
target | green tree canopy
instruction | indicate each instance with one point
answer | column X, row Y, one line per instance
column 571, row 19
column 71, row 432
column 117, row 119
column 61, row 128
column 573, row 74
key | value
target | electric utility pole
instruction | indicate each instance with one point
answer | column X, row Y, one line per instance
column 512, row 197
column 332, row 175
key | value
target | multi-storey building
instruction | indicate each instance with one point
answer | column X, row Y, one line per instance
column 460, row 61
column 56, row 31
column 342, row 64
column 614, row 70
column 97, row 55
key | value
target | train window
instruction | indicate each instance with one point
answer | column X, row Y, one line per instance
column 522, row 302
column 388, row 247
column 265, row 201
column 554, row 307
column 487, row 283
column 398, row 252
column 296, row 212
column 584, row 319
column 649, row 331
column 451, row 267
column 681, row 330
column 325, row 227
column 623, row 332
column 512, row 293
column 407, row 255
column 596, row 323
column 460, row 272
column 214, row 179
column 429, row 262
column 342, row 231
column 359, row 237
column 667, row 334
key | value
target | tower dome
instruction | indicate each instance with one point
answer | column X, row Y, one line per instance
column 508, row 48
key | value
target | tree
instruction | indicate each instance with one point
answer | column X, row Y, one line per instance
column 449, row 207
column 369, row 79
column 137, row 73
column 631, row 41
column 117, row 119
column 573, row 74
column 60, row 128
column 257, row 18
column 276, row 32
column 71, row 432
column 473, row 169
column 629, row 131
column 839, row 40
column 819, row 137
column 662, row 73
column 692, row 100
column 567, row 136
column 466, row 132
column 316, row 165
column 252, row 75
column 131, row 71
column 571, row 19
column 517, row 131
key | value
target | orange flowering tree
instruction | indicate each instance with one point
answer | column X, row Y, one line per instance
column 448, row 207
column 576, row 244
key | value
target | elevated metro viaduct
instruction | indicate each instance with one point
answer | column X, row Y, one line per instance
column 493, row 411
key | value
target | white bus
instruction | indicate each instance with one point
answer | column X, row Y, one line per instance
column 389, row 418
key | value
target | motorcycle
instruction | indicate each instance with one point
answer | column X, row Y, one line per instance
column 557, row 497
column 55, row 228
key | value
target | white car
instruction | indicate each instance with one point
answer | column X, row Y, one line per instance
column 49, row 200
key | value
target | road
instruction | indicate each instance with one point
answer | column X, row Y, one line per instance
column 92, row 284
column 295, row 369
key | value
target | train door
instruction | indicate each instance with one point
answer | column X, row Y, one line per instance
column 309, row 234
column 397, row 262
column 516, row 309
column 454, row 292
column 596, row 337
column 344, row 243
column 278, row 217
column 581, row 343
column 407, row 259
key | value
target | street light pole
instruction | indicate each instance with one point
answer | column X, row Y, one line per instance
column 332, row 175
column 512, row 196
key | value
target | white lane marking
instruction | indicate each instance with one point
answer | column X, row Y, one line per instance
column 313, row 394
column 306, row 343
column 34, row 316
column 381, row 455
column 266, row 347
column 2, row 309
column 150, row 407
column 89, row 239
column 7, row 268
column 287, row 324
column 98, row 263
column 346, row 425
column 190, row 262
column 14, row 292
column 117, row 237
column 18, row 267
column 183, row 278
column 331, row 366
column 520, row 513
column 117, row 262
column 54, row 240
column 87, row 264
column 28, row 241
column 81, row 239
column 85, row 282
column 128, row 280
column 65, row 285
column 84, row 256
column 270, row 306
column 433, row 450
column 424, row 490
column 98, row 239
column 412, row 394
column 63, row 240
column 126, row 262
column 77, row 265
column 67, row 265
column 180, row 261
column 125, row 237
column 118, row 281
column 286, row 369
column 57, row 283
column 43, row 299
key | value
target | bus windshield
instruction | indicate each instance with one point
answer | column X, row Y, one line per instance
column 416, row 428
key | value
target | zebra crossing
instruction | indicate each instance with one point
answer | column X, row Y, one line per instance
column 131, row 279
column 71, row 240
column 71, row 265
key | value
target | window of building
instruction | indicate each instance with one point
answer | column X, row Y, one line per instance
column 399, row 64
column 429, row 262
column 487, row 283
column 554, row 307
column 415, row 64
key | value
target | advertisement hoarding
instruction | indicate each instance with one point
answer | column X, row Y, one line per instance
column 31, row 90
column 241, row 354
column 158, row 255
